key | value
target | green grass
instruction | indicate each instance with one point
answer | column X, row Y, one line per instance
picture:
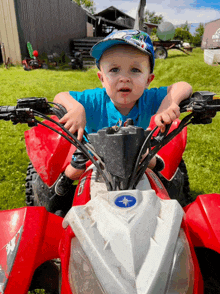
column 202, row 153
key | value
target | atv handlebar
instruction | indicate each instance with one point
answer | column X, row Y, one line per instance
column 27, row 108
column 201, row 105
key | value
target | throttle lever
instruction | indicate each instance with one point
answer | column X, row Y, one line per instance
column 5, row 116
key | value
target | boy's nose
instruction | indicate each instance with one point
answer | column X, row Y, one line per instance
column 124, row 79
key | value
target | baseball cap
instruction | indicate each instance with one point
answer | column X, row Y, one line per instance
column 136, row 38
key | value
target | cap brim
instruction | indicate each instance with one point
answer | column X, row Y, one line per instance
column 99, row 48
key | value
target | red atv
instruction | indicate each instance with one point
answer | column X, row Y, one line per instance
column 50, row 153
column 124, row 233
column 34, row 63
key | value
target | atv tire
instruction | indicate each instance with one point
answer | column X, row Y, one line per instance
column 39, row 194
column 178, row 186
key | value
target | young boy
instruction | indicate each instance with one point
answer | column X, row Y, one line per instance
column 125, row 60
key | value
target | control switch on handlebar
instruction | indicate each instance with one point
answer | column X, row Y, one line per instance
column 203, row 107
column 39, row 104
column 202, row 96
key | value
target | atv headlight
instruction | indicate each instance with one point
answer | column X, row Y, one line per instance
column 82, row 277
column 182, row 269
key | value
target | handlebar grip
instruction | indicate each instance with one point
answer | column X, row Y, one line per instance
column 7, row 109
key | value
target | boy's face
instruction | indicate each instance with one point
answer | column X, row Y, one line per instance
column 125, row 73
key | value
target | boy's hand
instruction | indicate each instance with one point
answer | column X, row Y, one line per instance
column 75, row 120
column 167, row 116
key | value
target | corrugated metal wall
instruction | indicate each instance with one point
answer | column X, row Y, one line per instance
column 49, row 24
column 9, row 32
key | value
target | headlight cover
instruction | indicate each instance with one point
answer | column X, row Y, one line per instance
column 182, row 270
column 82, row 277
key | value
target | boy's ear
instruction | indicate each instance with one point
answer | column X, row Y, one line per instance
column 150, row 79
column 99, row 74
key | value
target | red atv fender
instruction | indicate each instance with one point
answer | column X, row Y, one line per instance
column 49, row 152
column 29, row 237
column 203, row 219
column 172, row 152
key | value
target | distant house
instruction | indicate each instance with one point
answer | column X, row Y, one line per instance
column 47, row 25
column 211, row 36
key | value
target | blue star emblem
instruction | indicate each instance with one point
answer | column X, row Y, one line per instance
column 125, row 201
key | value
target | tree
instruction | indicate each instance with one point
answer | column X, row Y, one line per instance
column 200, row 29
column 197, row 39
column 151, row 17
column 87, row 5
column 185, row 26
column 183, row 34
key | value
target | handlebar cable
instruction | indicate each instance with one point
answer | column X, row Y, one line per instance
column 146, row 145
column 91, row 149
column 142, row 167
column 63, row 109
column 74, row 141
column 108, row 184
column 60, row 106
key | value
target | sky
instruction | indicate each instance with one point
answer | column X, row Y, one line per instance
column 175, row 11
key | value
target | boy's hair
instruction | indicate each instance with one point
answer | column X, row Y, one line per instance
column 136, row 38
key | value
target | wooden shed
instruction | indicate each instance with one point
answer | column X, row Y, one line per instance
column 110, row 19
column 47, row 25
column 211, row 36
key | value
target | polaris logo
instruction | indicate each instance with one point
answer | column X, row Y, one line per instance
column 125, row 201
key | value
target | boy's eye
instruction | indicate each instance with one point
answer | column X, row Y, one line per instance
column 114, row 69
column 134, row 69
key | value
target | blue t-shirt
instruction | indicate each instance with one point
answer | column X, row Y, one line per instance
column 101, row 112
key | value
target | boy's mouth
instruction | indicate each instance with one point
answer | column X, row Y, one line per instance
column 125, row 90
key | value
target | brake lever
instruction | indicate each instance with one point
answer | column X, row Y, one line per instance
column 5, row 116
column 161, row 135
column 23, row 115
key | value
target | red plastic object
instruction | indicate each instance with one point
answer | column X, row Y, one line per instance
column 49, row 152
column 82, row 193
column 203, row 219
column 174, row 149
column 157, row 185
column 198, row 280
column 30, row 236
column 64, row 250
column 35, row 53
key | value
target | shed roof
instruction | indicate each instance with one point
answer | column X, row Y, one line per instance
column 116, row 24
column 151, row 25
column 110, row 13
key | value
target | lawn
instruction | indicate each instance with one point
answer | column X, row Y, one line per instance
column 202, row 155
